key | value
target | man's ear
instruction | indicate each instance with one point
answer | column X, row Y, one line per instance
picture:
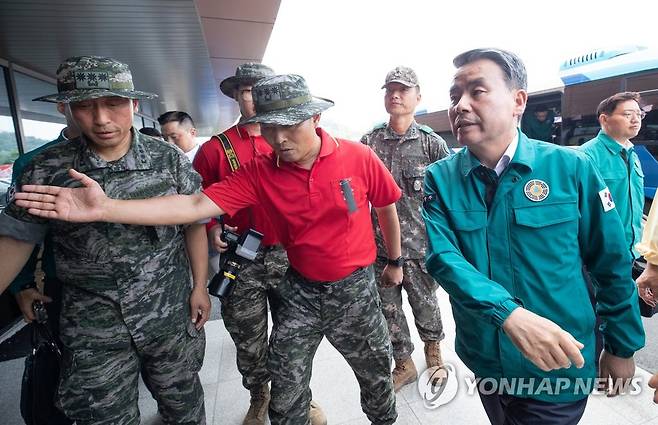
column 603, row 120
column 520, row 102
column 135, row 106
column 61, row 108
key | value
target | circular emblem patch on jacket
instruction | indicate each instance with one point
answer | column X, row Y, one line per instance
column 536, row 190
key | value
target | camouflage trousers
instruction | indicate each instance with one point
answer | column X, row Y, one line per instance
column 245, row 313
column 348, row 313
column 100, row 385
column 421, row 292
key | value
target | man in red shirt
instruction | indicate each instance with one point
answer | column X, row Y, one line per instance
column 245, row 311
column 318, row 190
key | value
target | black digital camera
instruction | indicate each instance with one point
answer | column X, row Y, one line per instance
column 240, row 248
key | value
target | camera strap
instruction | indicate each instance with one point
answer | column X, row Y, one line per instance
column 233, row 161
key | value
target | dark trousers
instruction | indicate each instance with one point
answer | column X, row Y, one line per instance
column 510, row 410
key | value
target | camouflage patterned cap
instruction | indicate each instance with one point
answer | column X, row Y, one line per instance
column 90, row 77
column 285, row 100
column 402, row 75
column 246, row 74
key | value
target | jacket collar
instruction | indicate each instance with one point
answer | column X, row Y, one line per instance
column 411, row 133
column 611, row 144
column 524, row 156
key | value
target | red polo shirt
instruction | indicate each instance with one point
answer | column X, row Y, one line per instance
column 324, row 241
column 213, row 166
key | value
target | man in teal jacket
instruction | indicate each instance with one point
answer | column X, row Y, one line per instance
column 510, row 223
column 612, row 153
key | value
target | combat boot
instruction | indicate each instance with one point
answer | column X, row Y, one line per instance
column 404, row 373
column 260, row 401
column 433, row 354
column 316, row 415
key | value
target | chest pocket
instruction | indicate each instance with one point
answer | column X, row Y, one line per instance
column 546, row 215
column 413, row 175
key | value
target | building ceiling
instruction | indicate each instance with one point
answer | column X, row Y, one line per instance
column 179, row 49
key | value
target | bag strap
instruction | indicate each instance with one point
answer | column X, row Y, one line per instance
column 233, row 161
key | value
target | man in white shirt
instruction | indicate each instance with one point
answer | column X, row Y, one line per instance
column 178, row 128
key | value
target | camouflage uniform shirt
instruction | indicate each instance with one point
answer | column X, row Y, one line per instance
column 117, row 278
column 407, row 156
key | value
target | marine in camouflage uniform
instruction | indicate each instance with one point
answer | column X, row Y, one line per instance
column 406, row 156
column 126, row 289
column 329, row 290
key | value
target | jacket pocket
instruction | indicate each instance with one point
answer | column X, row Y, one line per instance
column 538, row 216
column 413, row 175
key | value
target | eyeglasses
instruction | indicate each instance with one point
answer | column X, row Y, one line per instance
column 632, row 114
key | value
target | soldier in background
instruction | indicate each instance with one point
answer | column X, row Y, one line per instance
column 407, row 148
column 127, row 302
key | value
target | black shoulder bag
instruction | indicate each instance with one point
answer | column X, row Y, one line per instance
column 41, row 375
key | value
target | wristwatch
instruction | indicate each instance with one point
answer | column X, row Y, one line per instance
column 398, row 262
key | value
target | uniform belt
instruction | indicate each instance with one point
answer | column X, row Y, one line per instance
column 323, row 286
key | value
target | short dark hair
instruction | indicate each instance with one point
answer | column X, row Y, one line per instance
column 511, row 65
column 607, row 106
column 151, row 131
column 180, row 117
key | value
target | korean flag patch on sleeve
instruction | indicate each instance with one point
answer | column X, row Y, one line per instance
column 606, row 200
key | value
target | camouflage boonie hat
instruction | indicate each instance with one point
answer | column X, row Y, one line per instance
column 246, row 74
column 402, row 75
column 285, row 100
column 90, row 77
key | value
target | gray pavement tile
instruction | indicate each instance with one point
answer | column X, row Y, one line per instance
column 231, row 403
column 405, row 417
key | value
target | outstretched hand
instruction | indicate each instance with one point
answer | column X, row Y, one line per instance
column 83, row 204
